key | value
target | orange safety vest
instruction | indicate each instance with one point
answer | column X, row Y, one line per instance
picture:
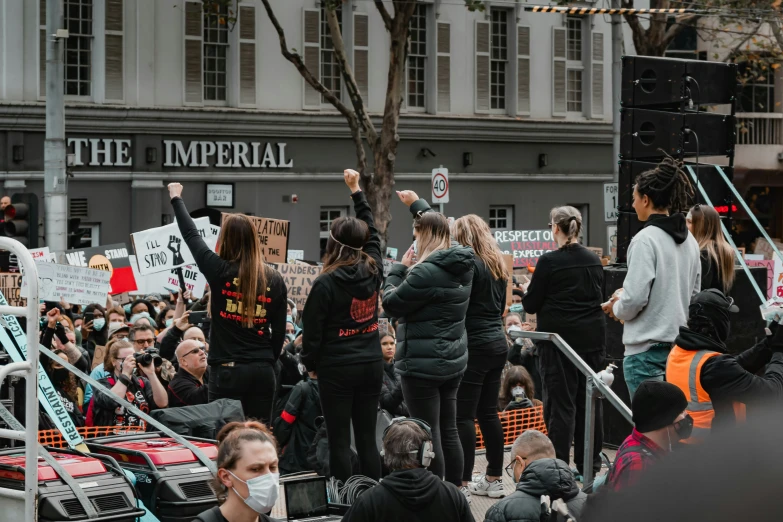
column 683, row 369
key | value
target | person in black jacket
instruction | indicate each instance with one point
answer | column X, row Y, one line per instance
column 340, row 340
column 409, row 492
column 566, row 293
column 295, row 428
column 190, row 385
column 429, row 294
column 391, row 390
column 717, row 256
column 248, row 310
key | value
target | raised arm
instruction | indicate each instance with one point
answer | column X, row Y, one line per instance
column 363, row 212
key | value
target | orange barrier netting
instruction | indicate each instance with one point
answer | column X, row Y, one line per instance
column 54, row 439
column 515, row 422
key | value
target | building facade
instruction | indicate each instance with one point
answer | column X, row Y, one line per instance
column 516, row 105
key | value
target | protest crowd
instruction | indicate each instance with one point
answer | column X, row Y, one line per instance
column 388, row 373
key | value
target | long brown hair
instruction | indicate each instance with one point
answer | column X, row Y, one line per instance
column 705, row 222
column 432, row 233
column 230, row 440
column 238, row 243
column 516, row 375
column 474, row 232
column 347, row 238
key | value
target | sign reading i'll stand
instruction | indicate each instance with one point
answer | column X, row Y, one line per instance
column 47, row 395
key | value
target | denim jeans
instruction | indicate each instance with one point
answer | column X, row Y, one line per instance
column 646, row 366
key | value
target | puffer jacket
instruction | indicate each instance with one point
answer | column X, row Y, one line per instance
column 430, row 301
column 550, row 477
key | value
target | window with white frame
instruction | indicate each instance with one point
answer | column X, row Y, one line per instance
column 498, row 59
column 574, row 64
column 330, row 69
column 417, row 59
column 215, row 53
column 328, row 215
column 501, row 218
column 78, row 47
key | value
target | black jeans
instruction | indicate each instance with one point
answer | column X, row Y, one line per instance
column 564, row 403
column 477, row 399
column 251, row 383
column 350, row 393
column 435, row 402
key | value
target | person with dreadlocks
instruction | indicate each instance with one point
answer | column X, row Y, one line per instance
column 664, row 253
column 721, row 384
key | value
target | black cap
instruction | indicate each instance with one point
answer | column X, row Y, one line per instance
column 716, row 298
column 656, row 404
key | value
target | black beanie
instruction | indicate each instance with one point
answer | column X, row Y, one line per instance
column 656, row 404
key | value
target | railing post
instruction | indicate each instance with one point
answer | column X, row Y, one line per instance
column 589, row 435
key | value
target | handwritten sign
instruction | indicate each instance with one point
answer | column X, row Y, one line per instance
column 111, row 258
column 769, row 264
column 273, row 234
column 11, row 286
column 72, row 284
column 194, row 281
column 42, row 254
column 525, row 245
column 161, row 249
column 299, row 280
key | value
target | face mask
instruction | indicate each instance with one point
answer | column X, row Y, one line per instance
column 127, row 308
column 60, row 374
column 516, row 308
column 98, row 324
column 290, row 337
column 518, row 392
column 684, row 428
column 169, row 322
column 262, row 492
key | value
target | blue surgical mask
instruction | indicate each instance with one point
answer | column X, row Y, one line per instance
column 99, row 323
column 169, row 322
column 516, row 308
column 127, row 308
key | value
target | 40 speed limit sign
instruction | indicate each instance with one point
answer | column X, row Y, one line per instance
column 440, row 185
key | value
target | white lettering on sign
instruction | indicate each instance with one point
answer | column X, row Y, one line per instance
column 225, row 154
column 100, row 152
column 220, row 195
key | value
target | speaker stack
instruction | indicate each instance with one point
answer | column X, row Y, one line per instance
column 662, row 113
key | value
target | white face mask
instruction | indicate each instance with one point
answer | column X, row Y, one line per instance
column 518, row 392
column 262, row 492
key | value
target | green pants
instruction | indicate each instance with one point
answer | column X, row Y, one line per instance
column 646, row 366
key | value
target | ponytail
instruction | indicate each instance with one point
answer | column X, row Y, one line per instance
column 569, row 221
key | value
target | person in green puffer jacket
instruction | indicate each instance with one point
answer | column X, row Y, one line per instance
column 429, row 294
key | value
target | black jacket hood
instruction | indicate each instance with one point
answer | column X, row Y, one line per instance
column 673, row 225
column 550, row 477
column 455, row 260
column 694, row 341
column 413, row 488
column 357, row 280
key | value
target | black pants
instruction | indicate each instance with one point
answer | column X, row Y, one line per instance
column 477, row 399
column 564, row 403
column 251, row 383
column 435, row 402
column 350, row 393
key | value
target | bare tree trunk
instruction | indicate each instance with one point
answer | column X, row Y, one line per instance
column 655, row 39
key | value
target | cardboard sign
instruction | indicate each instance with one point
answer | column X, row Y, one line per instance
column 98, row 357
column 111, row 258
column 299, row 280
column 194, row 281
column 73, row 284
column 509, row 261
column 770, row 266
column 11, row 286
column 161, row 249
column 596, row 250
column 525, row 245
column 273, row 234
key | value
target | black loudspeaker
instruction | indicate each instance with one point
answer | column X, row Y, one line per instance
column 665, row 82
column 647, row 134
column 627, row 227
column 613, row 279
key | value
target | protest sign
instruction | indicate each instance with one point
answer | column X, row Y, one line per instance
column 273, row 234
column 769, row 264
column 299, row 280
column 212, row 236
column 161, row 249
column 111, row 258
column 42, row 254
column 777, row 282
column 295, row 255
column 391, row 253
column 525, row 245
column 72, row 284
column 194, row 281
column 11, row 286
column 596, row 250
column 387, row 266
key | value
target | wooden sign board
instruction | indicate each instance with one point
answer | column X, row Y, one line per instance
column 274, row 234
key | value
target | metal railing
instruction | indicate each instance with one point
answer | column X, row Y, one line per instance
column 760, row 128
column 29, row 370
column 595, row 389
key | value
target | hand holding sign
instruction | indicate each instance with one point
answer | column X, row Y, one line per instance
column 352, row 180
column 175, row 190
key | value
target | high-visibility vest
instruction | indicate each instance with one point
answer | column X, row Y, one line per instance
column 683, row 369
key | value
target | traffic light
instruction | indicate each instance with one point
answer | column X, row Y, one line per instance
column 76, row 235
column 21, row 219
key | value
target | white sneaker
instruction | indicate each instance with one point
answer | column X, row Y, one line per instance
column 465, row 491
column 484, row 488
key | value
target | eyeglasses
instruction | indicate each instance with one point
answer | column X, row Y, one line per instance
column 195, row 350
column 142, row 342
column 510, row 468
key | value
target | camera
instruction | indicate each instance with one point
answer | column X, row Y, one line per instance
column 147, row 357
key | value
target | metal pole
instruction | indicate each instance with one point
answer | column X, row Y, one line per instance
column 587, row 470
column 617, row 73
column 55, row 182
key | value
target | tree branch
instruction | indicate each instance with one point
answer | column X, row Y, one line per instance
column 735, row 51
column 387, row 22
column 350, row 79
column 773, row 24
column 296, row 59
column 681, row 22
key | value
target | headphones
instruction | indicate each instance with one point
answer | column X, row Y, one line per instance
column 426, row 452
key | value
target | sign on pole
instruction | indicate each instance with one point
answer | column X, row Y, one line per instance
column 610, row 201
column 440, row 185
